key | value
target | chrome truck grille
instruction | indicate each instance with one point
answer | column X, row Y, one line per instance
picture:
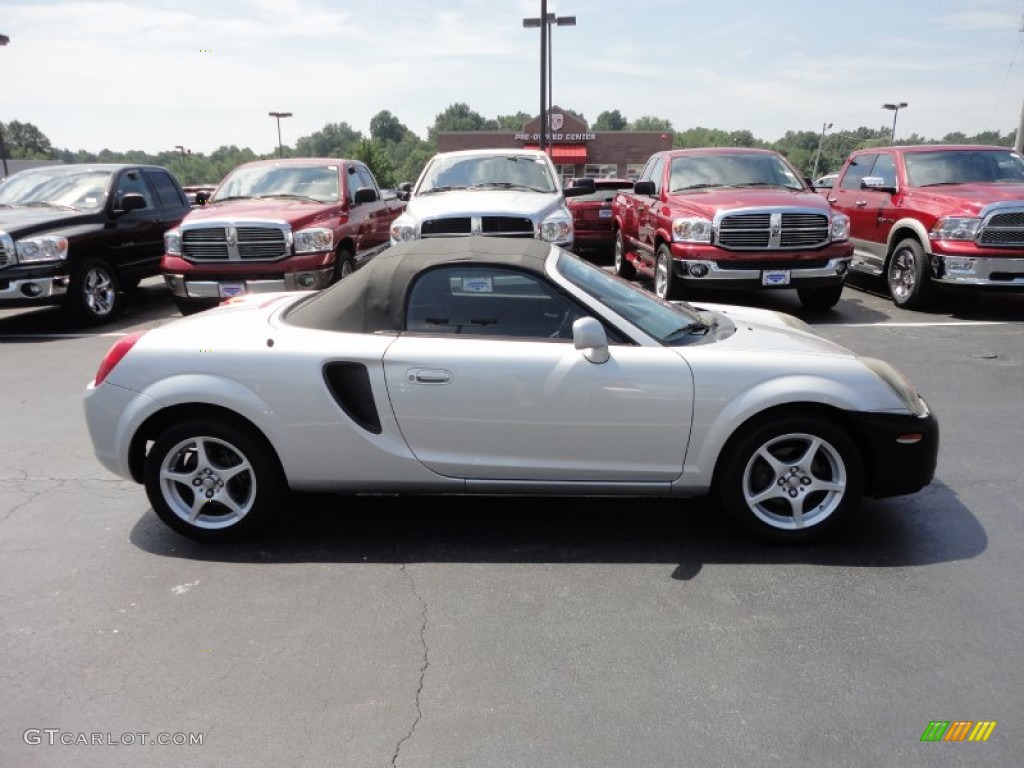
column 236, row 243
column 772, row 230
column 1004, row 229
column 490, row 226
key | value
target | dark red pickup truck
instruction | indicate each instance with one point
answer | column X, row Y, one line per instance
column 730, row 218
column 278, row 225
column 932, row 215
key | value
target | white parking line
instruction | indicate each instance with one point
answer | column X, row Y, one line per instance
column 937, row 323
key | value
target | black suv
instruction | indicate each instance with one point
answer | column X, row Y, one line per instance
column 80, row 235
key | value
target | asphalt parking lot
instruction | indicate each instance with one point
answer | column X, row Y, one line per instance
column 460, row 632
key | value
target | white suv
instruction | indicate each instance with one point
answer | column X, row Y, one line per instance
column 489, row 192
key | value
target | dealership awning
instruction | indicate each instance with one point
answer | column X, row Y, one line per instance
column 569, row 153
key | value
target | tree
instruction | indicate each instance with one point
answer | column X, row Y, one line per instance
column 414, row 163
column 371, row 152
column 610, row 121
column 333, row 140
column 651, row 123
column 26, row 141
column 511, row 123
column 457, row 117
column 385, row 127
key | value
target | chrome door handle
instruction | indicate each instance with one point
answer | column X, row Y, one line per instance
column 861, row 203
column 428, row 376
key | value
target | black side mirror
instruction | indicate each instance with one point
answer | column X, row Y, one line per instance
column 404, row 190
column 132, row 201
column 202, row 197
column 644, row 188
column 365, row 195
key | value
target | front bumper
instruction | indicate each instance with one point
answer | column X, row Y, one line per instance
column 736, row 275
column 896, row 466
column 226, row 286
column 978, row 270
column 34, row 286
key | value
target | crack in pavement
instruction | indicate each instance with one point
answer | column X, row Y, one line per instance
column 423, row 668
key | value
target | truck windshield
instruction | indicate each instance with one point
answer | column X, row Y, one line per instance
column 487, row 172
column 691, row 172
column 84, row 189
column 312, row 182
column 962, row 166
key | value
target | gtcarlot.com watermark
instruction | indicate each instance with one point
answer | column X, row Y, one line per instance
column 53, row 736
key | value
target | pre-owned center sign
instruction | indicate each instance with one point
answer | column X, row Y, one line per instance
column 557, row 136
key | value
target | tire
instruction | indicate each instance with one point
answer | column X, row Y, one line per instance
column 623, row 266
column 231, row 465
column 820, row 298
column 192, row 306
column 344, row 264
column 666, row 284
column 791, row 479
column 907, row 275
column 94, row 294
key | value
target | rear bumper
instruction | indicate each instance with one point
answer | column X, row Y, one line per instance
column 895, row 466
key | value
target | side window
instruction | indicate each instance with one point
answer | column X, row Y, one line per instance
column 489, row 301
column 366, row 178
column 656, row 170
column 885, row 167
column 131, row 182
column 859, row 168
column 166, row 191
column 645, row 174
column 355, row 182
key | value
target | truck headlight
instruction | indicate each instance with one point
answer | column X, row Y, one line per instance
column 840, row 227
column 314, row 239
column 691, row 229
column 172, row 242
column 403, row 229
column 557, row 228
column 43, row 248
column 956, row 228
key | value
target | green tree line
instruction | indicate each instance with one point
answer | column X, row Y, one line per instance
column 396, row 154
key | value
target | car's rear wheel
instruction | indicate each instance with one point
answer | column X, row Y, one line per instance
column 623, row 266
column 907, row 275
column 791, row 479
column 213, row 480
column 94, row 295
column 666, row 285
column 820, row 298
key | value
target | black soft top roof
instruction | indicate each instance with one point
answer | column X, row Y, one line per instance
column 372, row 299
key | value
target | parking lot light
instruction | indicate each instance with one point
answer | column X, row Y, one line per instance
column 895, row 113
column 279, row 115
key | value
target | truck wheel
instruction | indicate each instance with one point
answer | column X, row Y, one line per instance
column 623, row 266
column 820, row 298
column 344, row 264
column 907, row 275
column 666, row 285
column 94, row 296
column 791, row 479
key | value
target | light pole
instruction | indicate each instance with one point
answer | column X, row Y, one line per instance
column 279, row 115
column 532, row 23
column 817, row 155
column 895, row 113
column 184, row 168
column 4, row 40
column 536, row 22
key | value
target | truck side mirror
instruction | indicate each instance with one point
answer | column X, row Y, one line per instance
column 404, row 190
column 131, row 201
column 202, row 197
column 365, row 195
column 644, row 188
column 877, row 183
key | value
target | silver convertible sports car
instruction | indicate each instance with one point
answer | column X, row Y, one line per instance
column 502, row 366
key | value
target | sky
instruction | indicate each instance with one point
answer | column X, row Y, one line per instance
column 152, row 75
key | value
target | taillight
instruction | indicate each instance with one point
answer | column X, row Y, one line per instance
column 116, row 354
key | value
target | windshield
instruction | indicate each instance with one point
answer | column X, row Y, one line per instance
column 311, row 182
column 732, row 170
column 487, row 172
column 84, row 189
column 959, row 166
column 659, row 319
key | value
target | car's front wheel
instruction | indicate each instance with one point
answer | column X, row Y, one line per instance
column 820, row 298
column 791, row 479
column 907, row 275
column 623, row 266
column 213, row 480
column 666, row 285
column 94, row 295
column 344, row 264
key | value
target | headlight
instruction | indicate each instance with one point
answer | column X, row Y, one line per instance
column 840, row 229
column 314, row 239
column 956, row 228
column 691, row 230
column 403, row 229
column 900, row 385
column 46, row 248
column 172, row 242
column 557, row 228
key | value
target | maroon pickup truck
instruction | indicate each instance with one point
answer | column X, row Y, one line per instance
column 278, row 225
column 935, row 215
column 730, row 218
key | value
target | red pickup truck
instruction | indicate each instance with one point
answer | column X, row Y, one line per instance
column 935, row 215
column 729, row 217
column 278, row 225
